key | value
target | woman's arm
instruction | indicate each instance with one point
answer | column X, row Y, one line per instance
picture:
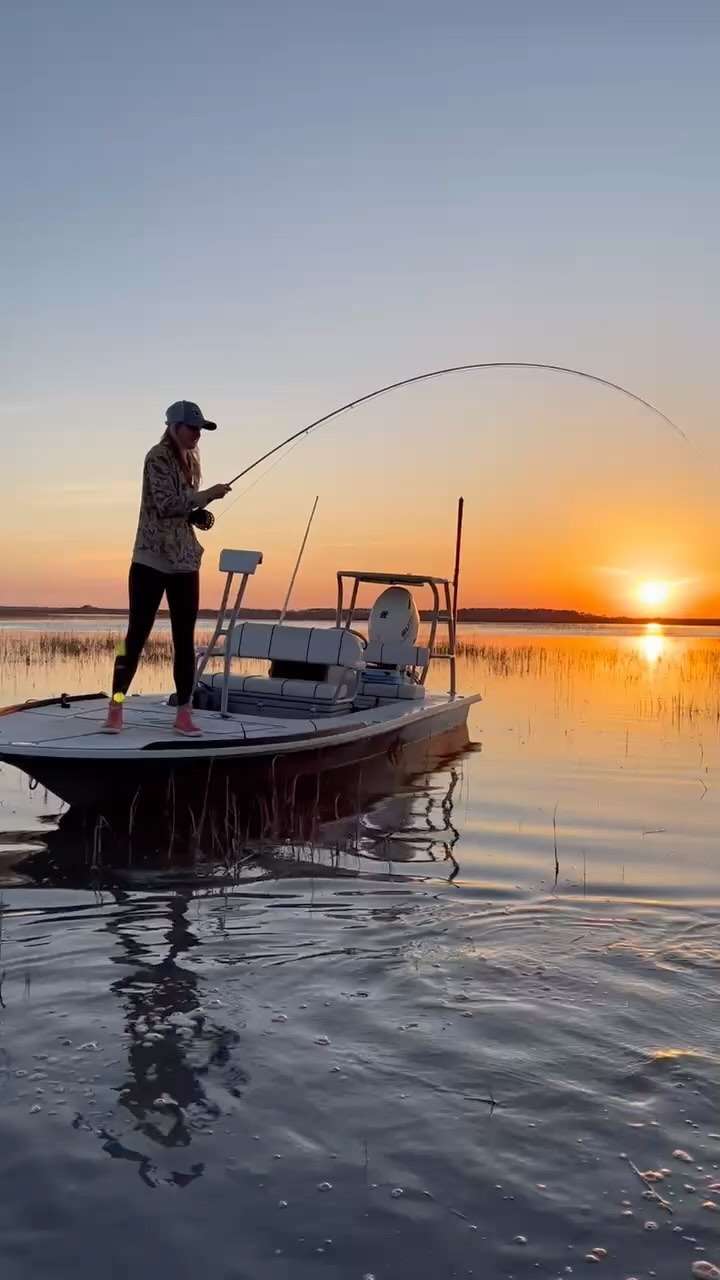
column 161, row 476
column 162, row 479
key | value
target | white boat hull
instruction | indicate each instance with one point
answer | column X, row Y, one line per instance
column 60, row 745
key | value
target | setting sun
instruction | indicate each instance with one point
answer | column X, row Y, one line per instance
column 653, row 593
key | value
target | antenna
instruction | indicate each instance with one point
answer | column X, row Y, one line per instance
column 458, row 548
column 297, row 562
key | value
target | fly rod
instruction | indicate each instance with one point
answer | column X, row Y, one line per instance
column 440, row 373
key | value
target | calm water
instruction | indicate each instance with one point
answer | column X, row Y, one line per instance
column 431, row 1041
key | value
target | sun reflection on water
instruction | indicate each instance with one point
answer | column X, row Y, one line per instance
column 652, row 644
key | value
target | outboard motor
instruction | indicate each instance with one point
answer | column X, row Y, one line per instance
column 394, row 618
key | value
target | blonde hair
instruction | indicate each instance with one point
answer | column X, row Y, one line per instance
column 189, row 459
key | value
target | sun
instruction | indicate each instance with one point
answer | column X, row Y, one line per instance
column 653, row 594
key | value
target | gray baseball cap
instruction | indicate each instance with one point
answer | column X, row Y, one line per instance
column 187, row 413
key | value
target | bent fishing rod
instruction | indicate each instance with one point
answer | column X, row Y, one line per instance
column 204, row 519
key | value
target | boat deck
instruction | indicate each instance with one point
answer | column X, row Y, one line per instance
column 75, row 729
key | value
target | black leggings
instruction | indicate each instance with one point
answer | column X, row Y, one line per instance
column 146, row 588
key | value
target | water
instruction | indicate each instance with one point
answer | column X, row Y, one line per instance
column 494, row 990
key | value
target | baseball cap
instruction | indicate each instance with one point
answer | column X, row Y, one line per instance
column 187, row 413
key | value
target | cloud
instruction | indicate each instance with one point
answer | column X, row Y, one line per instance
column 103, row 493
column 634, row 575
column 19, row 409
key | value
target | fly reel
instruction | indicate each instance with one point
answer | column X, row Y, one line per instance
column 201, row 518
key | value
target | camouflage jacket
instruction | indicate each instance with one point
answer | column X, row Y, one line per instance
column 165, row 538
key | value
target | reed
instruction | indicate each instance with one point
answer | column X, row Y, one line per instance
column 682, row 685
column 46, row 647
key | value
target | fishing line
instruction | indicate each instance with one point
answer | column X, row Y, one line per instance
column 229, row 506
column 205, row 519
column 458, row 368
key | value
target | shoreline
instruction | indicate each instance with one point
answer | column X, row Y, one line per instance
column 516, row 616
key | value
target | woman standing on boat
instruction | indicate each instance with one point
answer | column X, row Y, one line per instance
column 166, row 560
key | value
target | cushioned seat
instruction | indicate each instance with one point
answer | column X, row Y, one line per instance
column 272, row 687
column 397, row 655
column 328, row 646
column 311, row 668
column 384, row 692
column 381, row 684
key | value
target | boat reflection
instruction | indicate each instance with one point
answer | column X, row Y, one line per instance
column 182, row 1052
column 331, row 824
column 415, row 825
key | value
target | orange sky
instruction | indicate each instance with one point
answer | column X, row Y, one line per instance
column 361, row 200
column 572, row 501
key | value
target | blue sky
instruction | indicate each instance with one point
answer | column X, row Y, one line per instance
column 271, row 207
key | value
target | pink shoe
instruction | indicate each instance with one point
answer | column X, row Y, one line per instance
column 114, row 722
column 185, row 725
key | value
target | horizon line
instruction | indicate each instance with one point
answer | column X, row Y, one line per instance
column 492, row 612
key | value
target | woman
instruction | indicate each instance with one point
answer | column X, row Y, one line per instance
column 166, row 560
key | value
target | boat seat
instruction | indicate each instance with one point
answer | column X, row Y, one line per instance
column 397, row 655
column 314, row 668
column 292, row 690
column 325, row 646
column 381, row 691
column 317, row 666
column 239, row 561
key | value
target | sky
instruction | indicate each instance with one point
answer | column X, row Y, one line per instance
column 272, row 207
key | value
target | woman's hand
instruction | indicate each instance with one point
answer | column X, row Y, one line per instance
column 217, row 491
column 212, row 494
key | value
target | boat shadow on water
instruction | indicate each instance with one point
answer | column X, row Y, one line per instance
column 361, row 819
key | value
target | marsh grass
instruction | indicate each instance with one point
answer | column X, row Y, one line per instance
column 682, row 682
column 31, row 648
column 701, row 663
